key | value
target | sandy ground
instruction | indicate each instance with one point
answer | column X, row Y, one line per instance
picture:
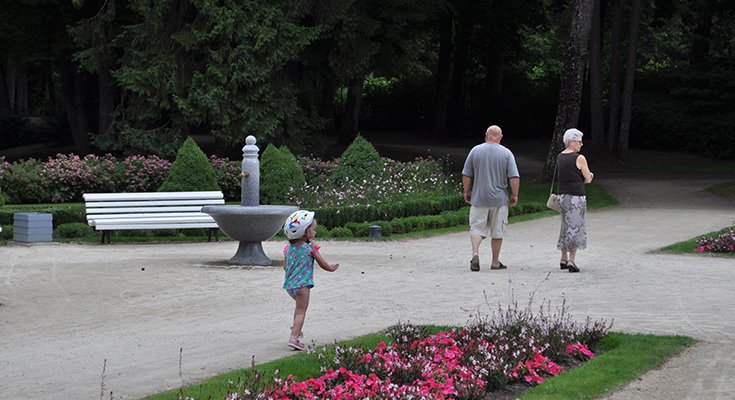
column 68, row 310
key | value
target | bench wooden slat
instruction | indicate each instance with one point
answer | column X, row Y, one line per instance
column 146, row 219
column 151, row 196
column 113, row 204
column 159, row 226
column 125, row 210
column 172, row 215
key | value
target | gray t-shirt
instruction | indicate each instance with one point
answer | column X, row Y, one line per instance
column 490, row 165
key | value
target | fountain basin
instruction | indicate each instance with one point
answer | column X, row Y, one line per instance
column 250, row 225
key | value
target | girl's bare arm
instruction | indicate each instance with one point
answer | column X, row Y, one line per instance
column 323, row 263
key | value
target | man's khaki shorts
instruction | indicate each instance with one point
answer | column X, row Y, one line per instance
column 488, row 221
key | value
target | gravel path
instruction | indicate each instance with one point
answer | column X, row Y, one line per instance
column 67, row 309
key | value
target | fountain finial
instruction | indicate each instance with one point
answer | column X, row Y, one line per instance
column 250, row 185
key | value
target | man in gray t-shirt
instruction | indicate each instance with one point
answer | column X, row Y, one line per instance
column 489, row 169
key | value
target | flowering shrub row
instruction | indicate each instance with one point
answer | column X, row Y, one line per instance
column 724, row 243
column 66, row 177
column 463, row 363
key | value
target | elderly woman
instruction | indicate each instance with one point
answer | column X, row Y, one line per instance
column 573, row 173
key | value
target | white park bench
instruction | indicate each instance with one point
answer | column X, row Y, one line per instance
column 107, row 212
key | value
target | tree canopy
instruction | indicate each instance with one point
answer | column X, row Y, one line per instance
column 139, row 76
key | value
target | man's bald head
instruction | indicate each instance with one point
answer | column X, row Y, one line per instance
column 493, row 134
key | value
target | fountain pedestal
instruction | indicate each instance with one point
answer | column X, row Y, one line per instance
column 250, row 223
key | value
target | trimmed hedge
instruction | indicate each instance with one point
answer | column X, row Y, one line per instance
column 61, row 213
column 333, row 217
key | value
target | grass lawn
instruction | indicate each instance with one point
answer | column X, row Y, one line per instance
column 621, row 359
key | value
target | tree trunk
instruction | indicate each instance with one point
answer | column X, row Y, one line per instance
column 21, row 89
column 570, row 92
column 701, row 35
column 455, row 106
column 352, row 112
column 71, row 88
column 614, row 98
column 443, row 74
column 630, row 68
column 4, row 102
column 105, row 87
column 597, row 120
column 10, row 69
column 494, row 74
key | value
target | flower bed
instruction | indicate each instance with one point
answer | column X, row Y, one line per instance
column 724, row 243
column 516, row 347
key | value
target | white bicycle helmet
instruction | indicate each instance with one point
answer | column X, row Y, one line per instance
column 297, row 223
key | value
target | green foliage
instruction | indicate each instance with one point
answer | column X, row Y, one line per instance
column 7, row 233
column 225, row 66
column 359, row 162
column 339, row 216
column 61, row 213
column 280, row 174
column 25, row 182
column 73, row 230
column 191, row 171
column 686, row 111
column 340, row 232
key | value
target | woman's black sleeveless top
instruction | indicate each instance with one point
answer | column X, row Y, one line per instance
column 571, row 180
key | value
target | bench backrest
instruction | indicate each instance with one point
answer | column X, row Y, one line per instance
column 154, row 208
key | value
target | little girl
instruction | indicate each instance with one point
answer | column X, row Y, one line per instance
column 300, row 253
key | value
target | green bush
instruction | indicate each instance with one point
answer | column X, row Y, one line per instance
column 73, row 230
column 321, row 231
column 25, row 183
column 61, row 213
column 358, row 229
column 7, row 232
column 191, row 171
column 280, row 173
column 339, row 216
column 360, row 161
column 340, row 232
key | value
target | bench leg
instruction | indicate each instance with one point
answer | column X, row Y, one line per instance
column 106, row 235
column 216, row 234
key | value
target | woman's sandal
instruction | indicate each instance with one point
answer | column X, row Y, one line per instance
column 572, row 267
column 563, row 264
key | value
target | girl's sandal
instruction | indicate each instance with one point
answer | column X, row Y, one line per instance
column 563, row 264
column 572, row 267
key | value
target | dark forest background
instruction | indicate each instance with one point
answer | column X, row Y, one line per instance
column 139, row 76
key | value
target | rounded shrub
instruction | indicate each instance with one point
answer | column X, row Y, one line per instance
column 280, row 174
column 191, row 171
column 358, row 228
column 340, row 232
column 360, row 161
column 73, row 230
column 25, row 183
column 321, row 231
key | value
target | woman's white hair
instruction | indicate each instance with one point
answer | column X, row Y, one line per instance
column 572, row 134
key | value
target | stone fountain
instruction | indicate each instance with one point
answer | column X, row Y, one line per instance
column 250, row 223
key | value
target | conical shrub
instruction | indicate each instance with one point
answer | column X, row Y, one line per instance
column 279, row 172
column 360, row 161
column 191, row 171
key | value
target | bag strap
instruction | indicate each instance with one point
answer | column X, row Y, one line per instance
column 553, row 178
